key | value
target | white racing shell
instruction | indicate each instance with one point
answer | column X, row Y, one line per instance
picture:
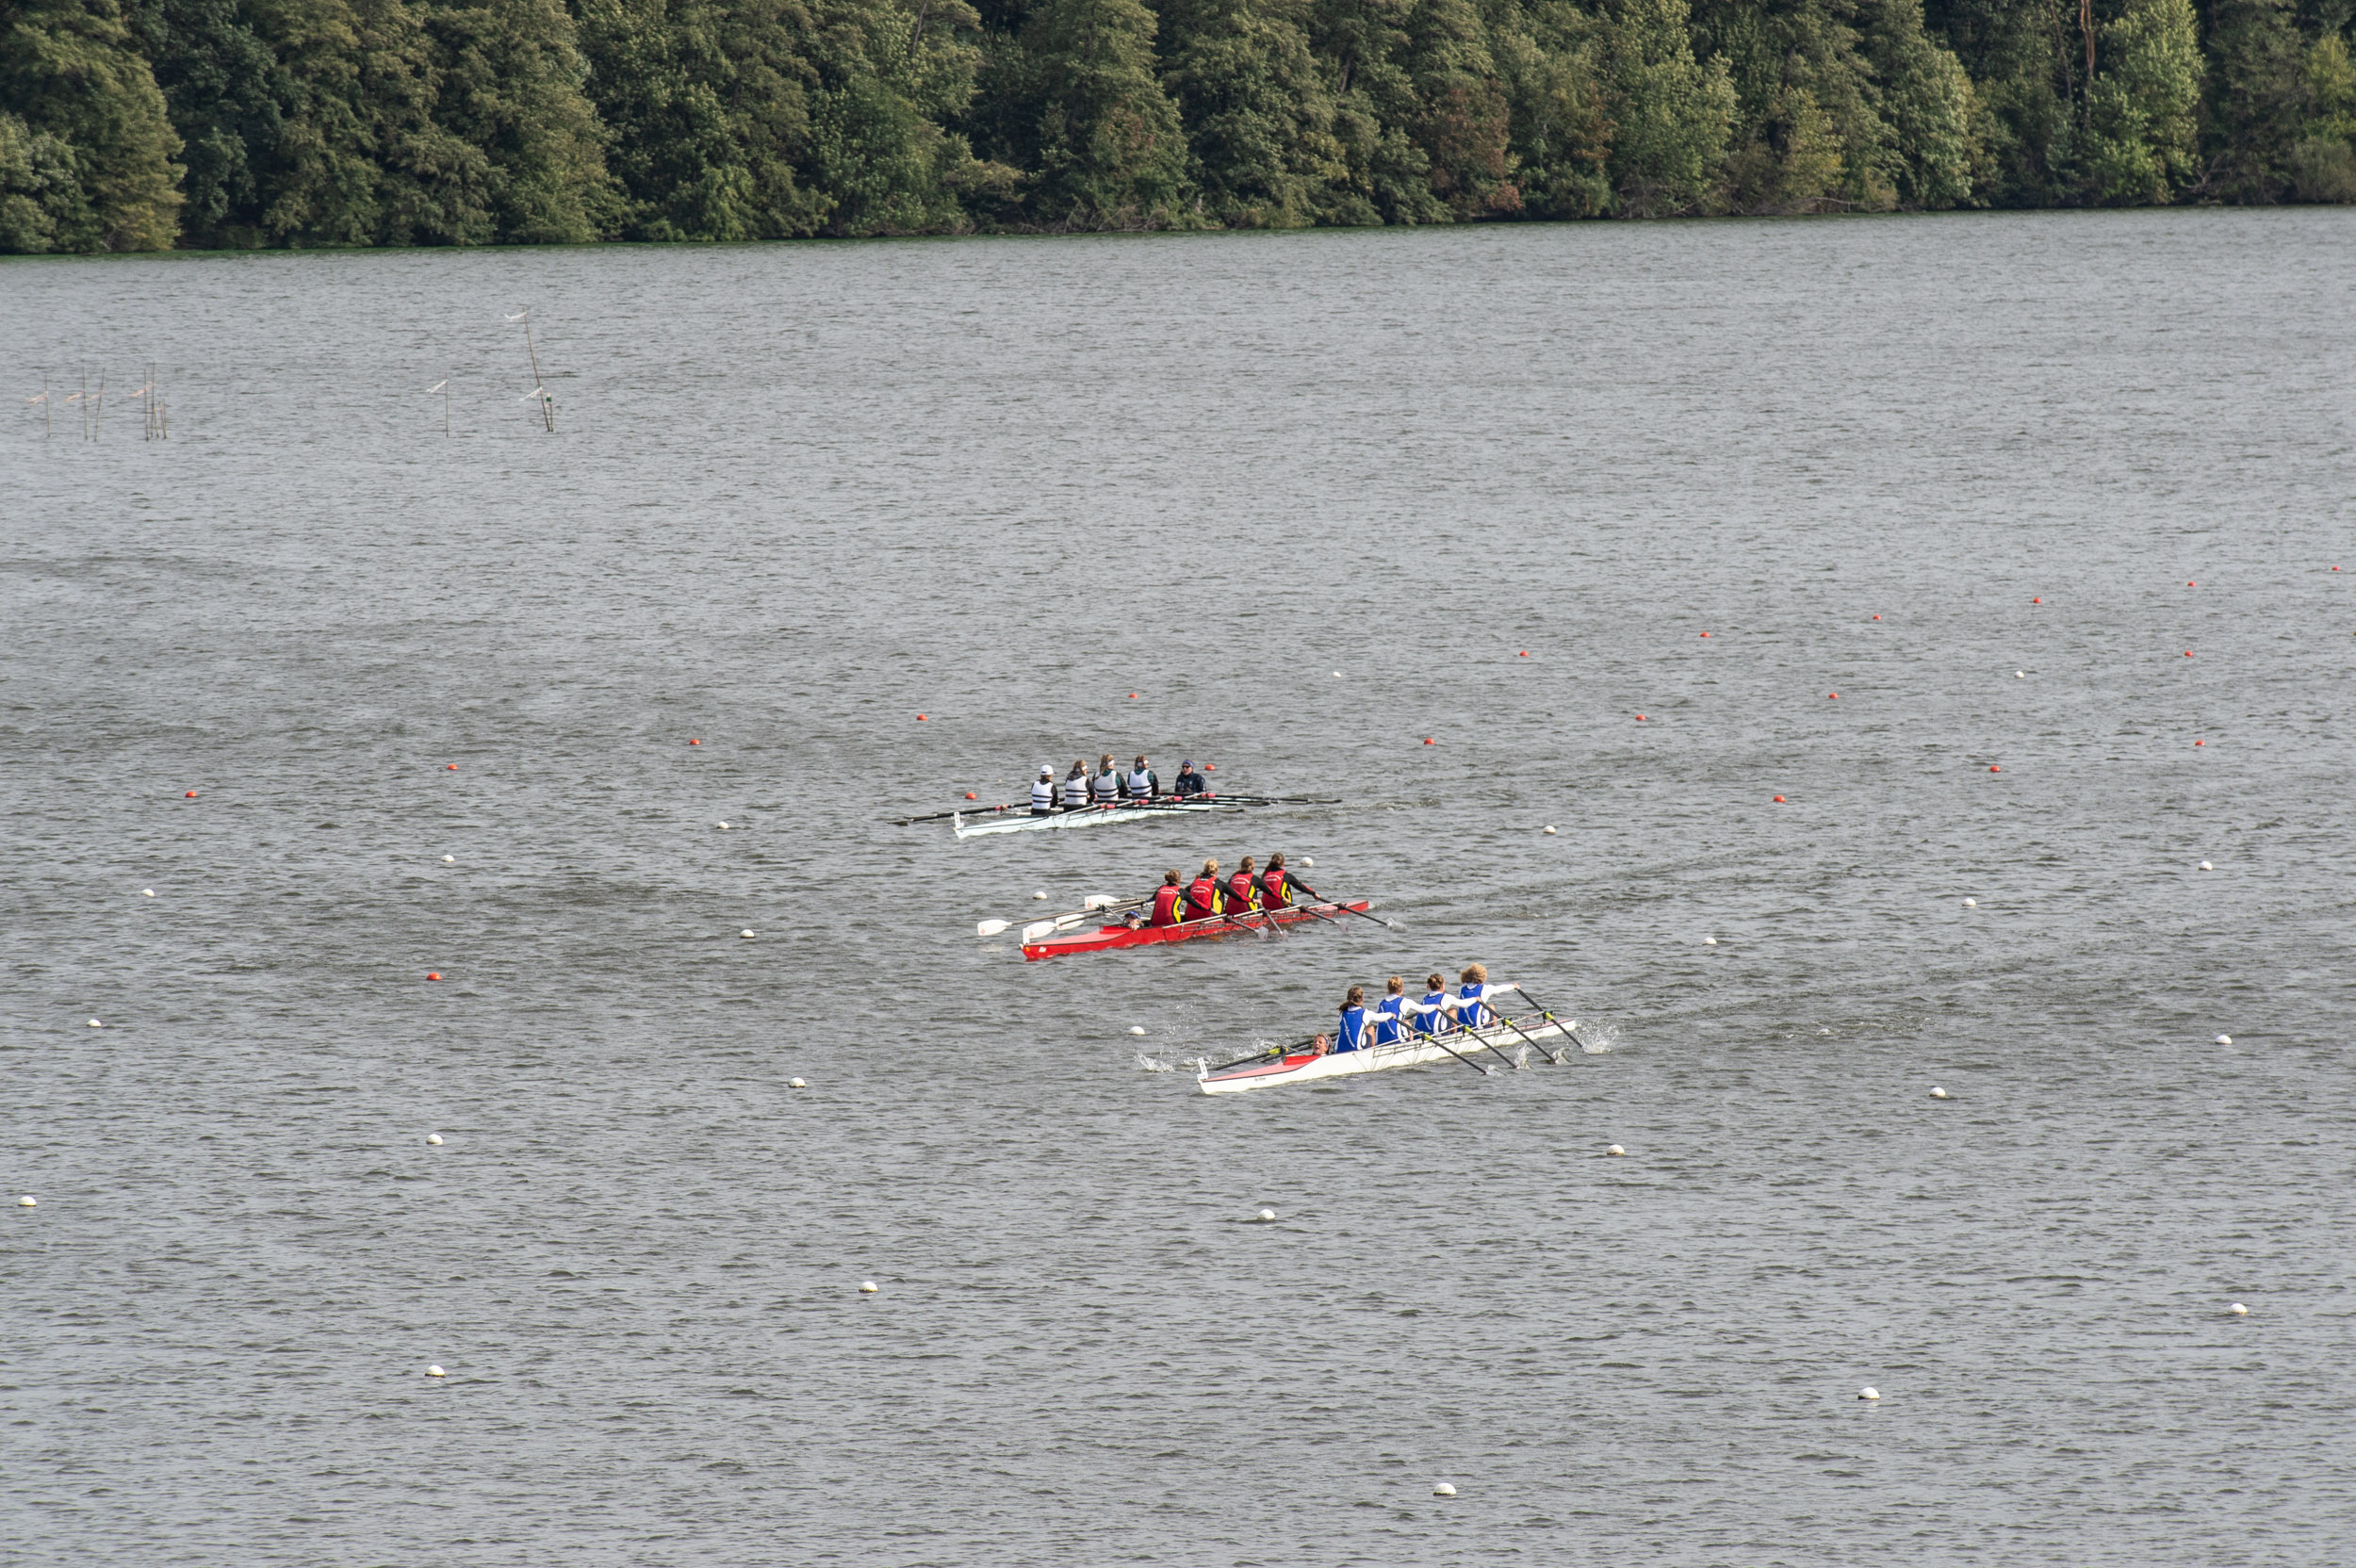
column 1414, row 1051
column 1085, row 816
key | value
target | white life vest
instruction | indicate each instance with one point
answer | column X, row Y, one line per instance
column 1042, row 795
column 1140, row 783
column 1075, row 791
column 1106, row 786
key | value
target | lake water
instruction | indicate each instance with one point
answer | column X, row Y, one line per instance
column 1311, row 498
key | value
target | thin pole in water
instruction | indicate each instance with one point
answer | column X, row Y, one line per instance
column 548, row 405
column 443, row 387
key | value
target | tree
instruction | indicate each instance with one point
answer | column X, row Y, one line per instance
column 70, row 71
column 1672, row 116
column 1258, row 114
column 1101, row 137
column 508, row 78
column 2139, row 146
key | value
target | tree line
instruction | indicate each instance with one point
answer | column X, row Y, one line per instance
column 141, row 124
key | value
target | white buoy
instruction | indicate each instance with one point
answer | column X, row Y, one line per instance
column 1337, row 675
column 1709, row 941
column 796, row 1084
column 434, row 1138
column 449, row 860
column 147, row 892
column 867, row 1287
column 744, row 933
column 1615, row 1148
column 1971, row 903
column 28, row 1201
column 2205, row 866
column 1443, row 1489
column 435, row 1372
column 2237, row 1309
column 1549, row 830
column 1041, row 894
column 723, row 827
column 2225, row 1040
column 2021, row 675
column 1938, row 1093
column 1137, row 1028
column 1306, row 862
column 95, row 1025
column 1268, row 1216
column 1869, row 1393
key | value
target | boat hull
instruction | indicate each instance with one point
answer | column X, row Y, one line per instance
column 1105, row 939
column 1086, row 816
column 1414, row 1051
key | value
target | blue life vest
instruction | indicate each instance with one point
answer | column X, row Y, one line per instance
column 1432, row 1022
column 1472, row 1016
column 1352, row 1031
column 1387, row 1032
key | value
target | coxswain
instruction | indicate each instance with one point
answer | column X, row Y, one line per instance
column 1350, row 1032
column 1203, row 895
column 1075, row 785
column 1192, row 782
column 1105, row 789
column 1169, row 900
column 1043, row 793
column 1473, row 992
column 1389, row 1024
column 1432, row 1010
column 1143, row 782
column 1243, row 890
column 1276, row 884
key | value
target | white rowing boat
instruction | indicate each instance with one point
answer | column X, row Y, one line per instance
column 1414, row 1051
column 1085, row 816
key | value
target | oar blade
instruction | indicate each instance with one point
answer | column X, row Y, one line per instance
column 990, row 927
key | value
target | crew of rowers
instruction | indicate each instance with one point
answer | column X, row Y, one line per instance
column 1108, row 784
column 1244, row 891
column 1398, row 1015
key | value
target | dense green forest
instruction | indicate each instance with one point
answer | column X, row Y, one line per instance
column 139, row 125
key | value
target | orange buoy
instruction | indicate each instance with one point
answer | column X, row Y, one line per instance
column 1524, row 654
column 2036, row 602
column 450, row 766
column 1779, row 800
column 1430, row 741
column 694, row 743
column 1133, row 696
column 920, row 718
column 1640, row 718
column 1210, row 767
column 2192, row 585
column 969, row 795
column 1834, row 695
column 2201, row 742
column 430, row 976
column 1993, row 768
column 1705, row 633
column 2188, row 653
column 191, row 794
column 1878, row 617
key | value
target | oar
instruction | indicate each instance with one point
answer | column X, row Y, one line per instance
column 1474, row 1030
column 1506, row 1019
column 1570, row 1029
column 944, row 816
column 1435, row 1039
column 1292, row 881
column 1272, row 1053
column 1277, row 800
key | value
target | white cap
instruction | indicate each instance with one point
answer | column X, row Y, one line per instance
column 1047, row 768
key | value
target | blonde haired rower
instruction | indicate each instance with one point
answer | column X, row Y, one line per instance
column 1473, row 992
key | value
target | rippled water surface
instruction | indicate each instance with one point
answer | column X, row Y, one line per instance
column 1311, row 498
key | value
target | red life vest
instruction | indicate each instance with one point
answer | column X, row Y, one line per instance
column 1239, row 892
column 1166, row 905
column 1202, row 899
column 1276, row 893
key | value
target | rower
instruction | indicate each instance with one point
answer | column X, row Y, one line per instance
column 1350, row 1032
column 1472, row 994
column 1389, row 1025
column 1203, row 897
column 1169, row 900
column 1433, row 1006
column 1243, row 890
column 1143, row 782
column 1105, row 789
column 1075, row 785
column 1043, row 793
column 1276, row 884
column 1192, row 782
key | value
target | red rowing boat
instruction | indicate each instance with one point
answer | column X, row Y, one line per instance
column 1146, row 936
